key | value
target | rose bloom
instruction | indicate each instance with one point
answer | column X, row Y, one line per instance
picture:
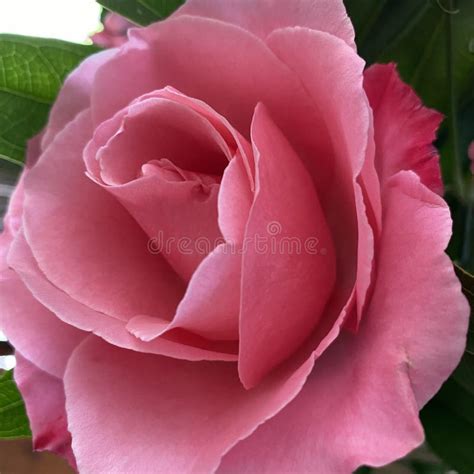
column 232, row 123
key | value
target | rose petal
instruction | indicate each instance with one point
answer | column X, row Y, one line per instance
column 261, row 18
column 172, row 416
column 217, row 130
column 36, row 332
column 85, row 242
column 349, row 121
column 365, row 255
column 176, row 211
column 166, row 54
column 157, row 128
column 235, row 91
column 211, row 304
column 43, row 395
column 176, row 216
column 234, row 201
column 365, row 391
column 111, row 329
column 404, row 128
column 284, row 289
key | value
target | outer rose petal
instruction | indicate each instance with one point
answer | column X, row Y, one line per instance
column 264, row 16
column 74, row 96
column 404, row 128
column 284, row 288
column 172, row 416
column 36, row 332
column 360, row 405
column 45, row 405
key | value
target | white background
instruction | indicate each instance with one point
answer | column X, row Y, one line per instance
column 70, row 20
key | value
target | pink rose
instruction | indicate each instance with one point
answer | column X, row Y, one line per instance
column 229, row 255
column 114, row 32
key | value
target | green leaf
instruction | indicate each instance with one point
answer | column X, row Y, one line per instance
column 381, row 23
column 142, row 12
column 448, row 420
column 31, row 73
column 13, row 419
column 413, row 34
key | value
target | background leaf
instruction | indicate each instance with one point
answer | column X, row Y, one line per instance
column 413, row 34
column 13, row 419
column 142, row 12
column 31, row 73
